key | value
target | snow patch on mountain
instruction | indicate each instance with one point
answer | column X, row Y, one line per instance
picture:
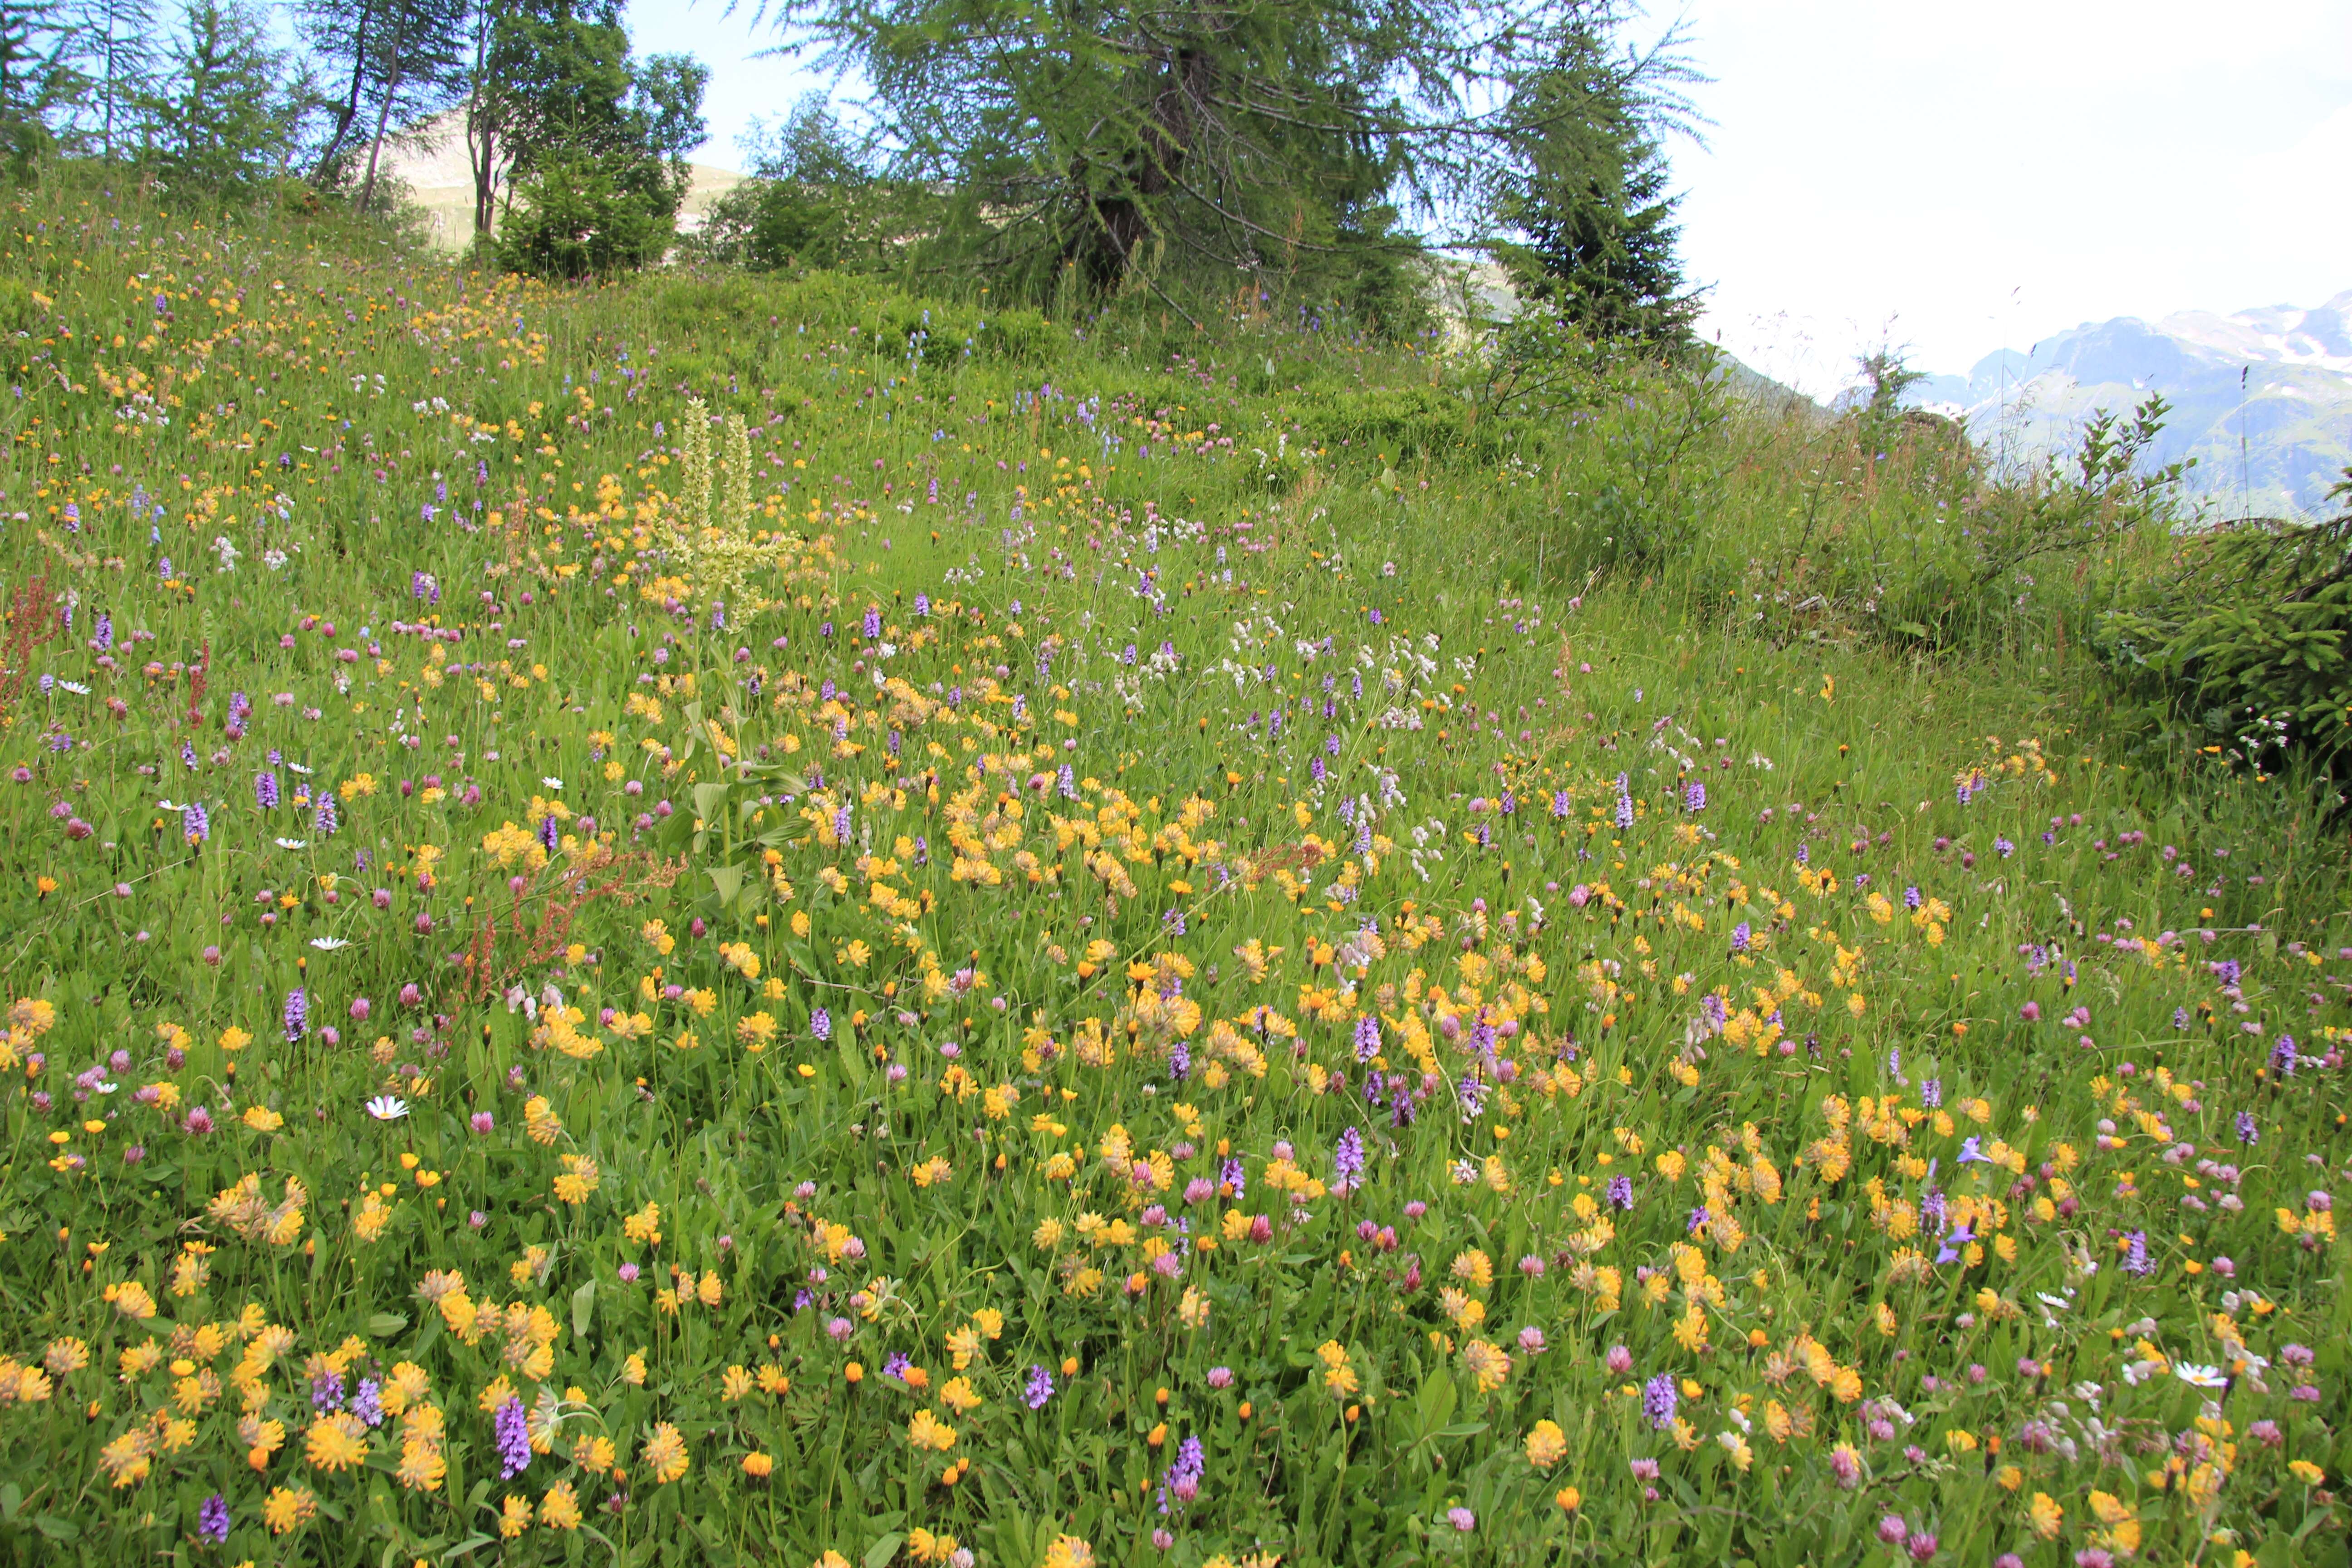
column 2261, row 399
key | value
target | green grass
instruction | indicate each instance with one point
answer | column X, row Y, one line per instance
column 951, row 1090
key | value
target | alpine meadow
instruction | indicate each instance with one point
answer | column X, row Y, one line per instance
column 1021, row 852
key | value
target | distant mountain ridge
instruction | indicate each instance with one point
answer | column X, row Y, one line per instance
column 2296, row 417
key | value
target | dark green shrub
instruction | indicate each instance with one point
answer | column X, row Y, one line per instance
column 579, row 216
column 2247, row 643
column 1402, row 423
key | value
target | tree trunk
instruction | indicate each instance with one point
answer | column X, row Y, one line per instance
column 486, row 185
column 482, row 134
column 1119, row 220
column 349, row 111
column 391, row 90
column 106, row 124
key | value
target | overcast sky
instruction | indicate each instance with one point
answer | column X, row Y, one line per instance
column 1953, row 179
column 1966, row 177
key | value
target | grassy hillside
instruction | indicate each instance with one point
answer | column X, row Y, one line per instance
column 1074, row 944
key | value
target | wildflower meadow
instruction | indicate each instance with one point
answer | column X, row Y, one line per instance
column 719, row 920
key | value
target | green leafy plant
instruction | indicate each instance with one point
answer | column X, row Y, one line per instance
column 1125, row 988
column 2249, row 640
column 578, row 216
column 600, row 145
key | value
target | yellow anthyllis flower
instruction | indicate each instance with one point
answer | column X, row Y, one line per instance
column 559, row 1509
column 130, row 1299
column 288, row 1508
column 928, row 1431
column 1487, row 1364
column 664, row 1453
column 927, row 1548
column 335, row 1442
column 539, row 1121
column 580, row 1178
column 127, row 1460
column 1546, row 1445
column 1338, row 1373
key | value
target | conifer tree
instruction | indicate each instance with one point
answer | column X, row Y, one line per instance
column 1587, row 220
column 116, row 61
column 546, row 73
column 37, row 75
column 597, row 142
column 222, row 116
column 1133, row 142
column 389, row 66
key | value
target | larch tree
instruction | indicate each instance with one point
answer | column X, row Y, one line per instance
column 1127, row 143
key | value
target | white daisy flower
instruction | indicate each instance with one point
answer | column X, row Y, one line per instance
column 387, row 1108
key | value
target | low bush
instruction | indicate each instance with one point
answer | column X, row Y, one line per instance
column 2246, row 644
column 580, row 215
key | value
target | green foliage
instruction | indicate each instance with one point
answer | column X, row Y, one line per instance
column 1889, row 379
column 1539, row 366
column 1399, row 425
column 117, row 59
column 2082, row 504
column 813, row 202
column 2248, row 641
column 18, row 311
column 555, row 79
column 1129, row 148
column 1586, row 198
column 599, row 146
column 589, row 214
column 895, row 331
column 226, row 121
column 814, row 1012
column 1372, row 277
column 381, row 66
column 665, row 106
column 1890, row 527
column 38, row 77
